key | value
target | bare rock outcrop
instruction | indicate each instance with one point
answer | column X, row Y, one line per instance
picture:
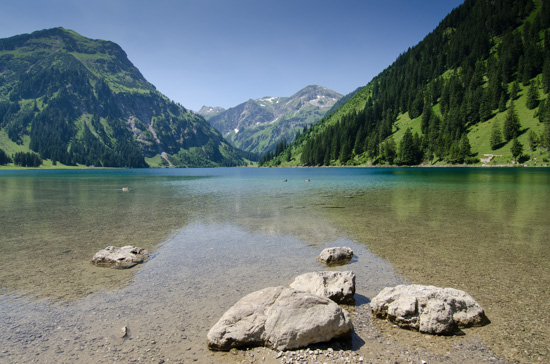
column 428, row 309
column 338, row 286
column 124, row 257
column 280, row 318
column 335, row 255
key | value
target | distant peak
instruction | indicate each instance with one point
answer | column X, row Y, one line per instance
column 208, row 111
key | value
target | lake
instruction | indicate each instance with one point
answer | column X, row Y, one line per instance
column 218, row 234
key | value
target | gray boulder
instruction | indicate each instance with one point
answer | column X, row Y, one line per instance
column 428, row 309
column 124, row 257
column 336, row 255
column 338, row 286
column 280, row 318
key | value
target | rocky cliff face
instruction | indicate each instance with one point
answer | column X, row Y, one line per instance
column 258, row 125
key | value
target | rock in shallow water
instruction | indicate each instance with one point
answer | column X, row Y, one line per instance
column 428, row 309
column 336, row 255
column 338, row 286
column 279, row 318
column 124, row 257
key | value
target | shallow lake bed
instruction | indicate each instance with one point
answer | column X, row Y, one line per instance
column 220, row 234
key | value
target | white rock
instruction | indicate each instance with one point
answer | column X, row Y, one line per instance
column 336, row 255
column 124, row 257
column 338, row 286
column 428, row 309
column 279, row 318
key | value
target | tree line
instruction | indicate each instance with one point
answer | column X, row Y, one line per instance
column 469, row 68
column 22, row 159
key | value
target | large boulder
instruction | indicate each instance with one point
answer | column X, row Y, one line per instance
column 124, row 257
column 280, row 318
column 428, row 309
column 336, row 255
column 338, row 286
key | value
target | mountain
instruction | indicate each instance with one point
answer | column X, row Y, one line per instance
column 209, row 111
column 75, row 100
column 259, row 125
column 475, row 90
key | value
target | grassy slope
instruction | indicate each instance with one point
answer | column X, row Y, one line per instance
column 480, row 134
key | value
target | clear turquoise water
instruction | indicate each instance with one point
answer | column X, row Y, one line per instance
column 220, row 233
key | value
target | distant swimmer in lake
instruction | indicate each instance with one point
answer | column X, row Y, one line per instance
column 284, row 180
column 307, row 180
column 125, row 189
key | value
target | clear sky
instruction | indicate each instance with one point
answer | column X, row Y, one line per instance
column 224, row 52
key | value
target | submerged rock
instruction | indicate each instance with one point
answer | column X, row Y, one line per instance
column 280, row 318
column 428, row 309
column 338, row 286
column 336, row 255
column 124, row 257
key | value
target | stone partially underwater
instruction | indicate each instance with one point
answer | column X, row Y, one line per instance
column 279, row 318
column 335, row 256
column 428, row 309
column 124, row 257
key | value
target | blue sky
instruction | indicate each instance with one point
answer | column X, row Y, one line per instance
column 224, row 52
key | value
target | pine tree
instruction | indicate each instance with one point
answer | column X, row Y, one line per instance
column 4, row 158
column 408, row 150
column 545, row 136
column 426, row 116
column 454, row 153
column 388, row 151
column 464, row 147
column 546, row 72
column 502, row 103
column 532, row 96
column 516, row 148
column 544, row 111
column 511, row 124
column 533, row 140
column 496, row 136
column 514, row 91
column 485, row 112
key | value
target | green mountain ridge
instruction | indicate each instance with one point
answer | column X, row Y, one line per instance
column 439, row 102
column 75, row 100
column 258, row 125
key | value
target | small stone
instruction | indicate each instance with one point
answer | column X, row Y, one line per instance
column 335, row 255
column 124, row 257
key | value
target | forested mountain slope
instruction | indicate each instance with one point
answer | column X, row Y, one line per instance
column 74, row 100
column 474, row 90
